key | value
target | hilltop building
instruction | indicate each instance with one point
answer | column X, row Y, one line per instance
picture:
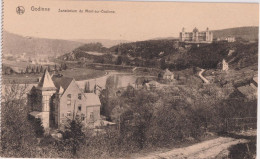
column 196, row 36
column 57, row 98
column 228, row 39
column 168, row 75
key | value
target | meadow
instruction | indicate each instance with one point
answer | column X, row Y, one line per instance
column 76, row 73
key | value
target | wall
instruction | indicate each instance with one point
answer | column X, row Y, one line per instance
column 75, row 102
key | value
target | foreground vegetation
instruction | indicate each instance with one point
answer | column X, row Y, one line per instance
column 145, row 120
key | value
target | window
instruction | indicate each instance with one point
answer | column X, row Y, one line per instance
column 79, row 96
column 82, row 117
column 63, row 121
column 92, row 116
column 68, row 113
column 69, row 100
column 45, row 103
column 79, row 108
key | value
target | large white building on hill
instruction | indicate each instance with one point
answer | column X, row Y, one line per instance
column 196, row 36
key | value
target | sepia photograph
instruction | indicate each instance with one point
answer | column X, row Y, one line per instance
column 129, row 79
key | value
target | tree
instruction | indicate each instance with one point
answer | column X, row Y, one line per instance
column 37, row 70
column 41, row 69
column 27, row 70
column 194, row 70
column 87, row 89
column 65, row 66
column 163, row 64
column 119, row 60
column 37, row 125
column 48, row 68
column 74, row 135
column 178, row 77
column 160, row 76
column 32, row 70
column 17, row 137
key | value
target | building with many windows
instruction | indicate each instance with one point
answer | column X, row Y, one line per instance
column 57, row 99
column 196, row 36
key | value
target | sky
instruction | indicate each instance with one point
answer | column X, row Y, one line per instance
column 132, row 21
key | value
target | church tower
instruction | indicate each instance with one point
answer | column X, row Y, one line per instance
column 46, row 88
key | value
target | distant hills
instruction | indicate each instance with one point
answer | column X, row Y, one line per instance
column 105, row 42
column 165, row 38
column 16, row 45
column 247, row 33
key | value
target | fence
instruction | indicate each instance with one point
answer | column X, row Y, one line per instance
column 240, row 124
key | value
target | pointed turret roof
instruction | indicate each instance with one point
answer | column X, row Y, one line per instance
column 46, row 82
column 62, row 82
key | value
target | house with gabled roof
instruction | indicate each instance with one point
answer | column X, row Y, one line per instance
column 57, row 99
column 168, row 75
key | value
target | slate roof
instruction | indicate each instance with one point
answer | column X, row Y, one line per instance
column 36, row 114
column 92, row 99
column 46, row 82
column 61, row 81
column 153, row 83
column 247, row 90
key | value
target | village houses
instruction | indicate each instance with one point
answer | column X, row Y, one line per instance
column 57, row 99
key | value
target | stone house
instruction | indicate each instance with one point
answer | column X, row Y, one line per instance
column 151, row 85
column 56, row 99
column 224, row 65
column 168, row 75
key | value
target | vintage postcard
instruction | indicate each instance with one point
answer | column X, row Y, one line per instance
column 122, row 79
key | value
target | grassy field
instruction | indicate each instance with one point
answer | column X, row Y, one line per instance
column 76, row 73
column 82, row 73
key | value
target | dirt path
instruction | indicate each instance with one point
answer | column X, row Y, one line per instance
column 204, row 150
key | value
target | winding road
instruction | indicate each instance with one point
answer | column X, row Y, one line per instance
column 205, row 150
column 203, row 78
